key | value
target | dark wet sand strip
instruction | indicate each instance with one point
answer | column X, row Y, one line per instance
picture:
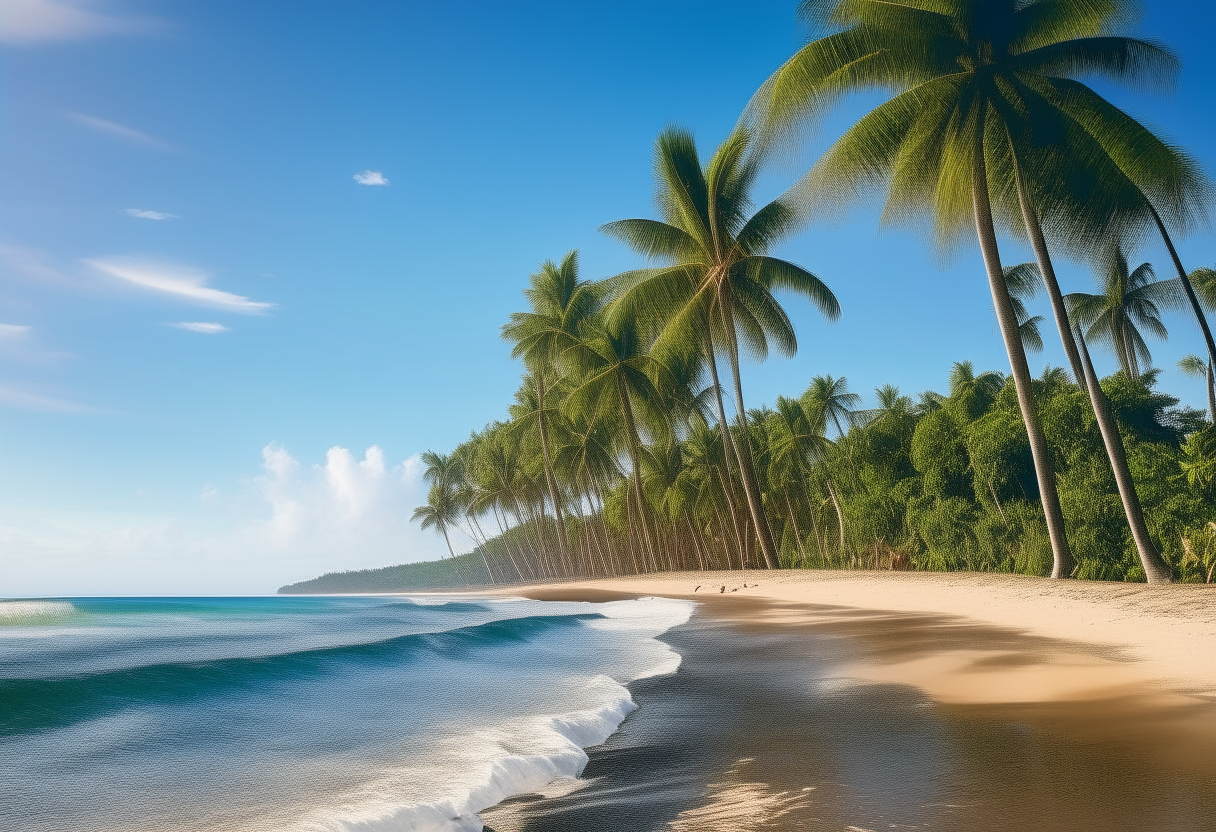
column 767, row 726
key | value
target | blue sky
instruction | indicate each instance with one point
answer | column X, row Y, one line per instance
column 193, row 163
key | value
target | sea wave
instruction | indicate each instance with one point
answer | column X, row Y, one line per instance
column 555, row 749
column 79, row 697
column 23, row 613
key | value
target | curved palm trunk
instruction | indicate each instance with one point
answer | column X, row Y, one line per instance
column 443, row 528
column 747, row 468
column 1155, row 569
column 1154, row 566
column 986, row 232
column 1035, row 230
column 1186, row 285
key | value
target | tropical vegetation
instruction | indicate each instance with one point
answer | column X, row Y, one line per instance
column 619, row 455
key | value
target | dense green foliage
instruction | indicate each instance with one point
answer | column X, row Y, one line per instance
column 618, row 455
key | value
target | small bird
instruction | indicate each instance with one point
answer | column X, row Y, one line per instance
column 720, row 591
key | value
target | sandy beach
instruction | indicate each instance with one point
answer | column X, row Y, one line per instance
column 865, row 701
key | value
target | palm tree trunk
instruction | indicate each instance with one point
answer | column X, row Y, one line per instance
column 986, row 232
column 1211, row 392
column 1155, row 569
column 1048, row 273
column 1149, row 557
column 839, row 517
column 728, row 441
column 443, row 528
column 747, row 468
column 794, row 522
column 563, row 544
column 1186, row 285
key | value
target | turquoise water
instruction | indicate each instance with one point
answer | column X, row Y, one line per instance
column 290, row 713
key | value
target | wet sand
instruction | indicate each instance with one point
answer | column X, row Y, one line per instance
column 790, row 715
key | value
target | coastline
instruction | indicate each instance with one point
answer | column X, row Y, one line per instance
column 868, row 701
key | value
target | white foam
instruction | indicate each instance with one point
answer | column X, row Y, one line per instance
column 521, row 757
column 33, row 612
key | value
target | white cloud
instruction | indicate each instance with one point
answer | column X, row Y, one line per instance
column 117, row 131
column 27, row 22
column 371, row 177
column 289, row 522
column 201, row 327
column 14, row 332
column 151, row 215
column 181, row 282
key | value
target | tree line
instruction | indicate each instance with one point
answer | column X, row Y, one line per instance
column 619, row 456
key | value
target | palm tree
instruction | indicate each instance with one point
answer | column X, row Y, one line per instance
column 1023, row 281
column 615, row 376
column 829, row 401
column 1193, row 365
column 560, row 302
column 979, row 85
column 714, row 288
column 1128, row 302
column 439, row 513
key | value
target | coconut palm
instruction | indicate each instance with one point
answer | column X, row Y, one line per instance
column 827, row 400
column 714, row 289
column 560, row 302
column 439, row 513
column 615, row 376
column 1193, row 365
column 977, row 86
column 1023, row 281
column 1127, row 303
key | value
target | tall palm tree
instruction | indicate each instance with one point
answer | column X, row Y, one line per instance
column 1127, row 303
column 714, row 287
column 560, row 302
column 977, row 84
column 615, row 375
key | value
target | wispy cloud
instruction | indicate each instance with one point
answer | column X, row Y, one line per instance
column 30, row 22
column 14, row 332
column 25, row 400
column 180, row 282
column 201, row 327
column 371, row 177
column 117, row 131
column 151, row 215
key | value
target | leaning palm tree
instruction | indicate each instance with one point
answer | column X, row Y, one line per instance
column 977, row 84
column 1128, row 302
column 714, row 288
column 440, row 512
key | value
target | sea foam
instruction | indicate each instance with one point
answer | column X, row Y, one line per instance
column 17, row 613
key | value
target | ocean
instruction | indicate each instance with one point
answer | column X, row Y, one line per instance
column 297, row 714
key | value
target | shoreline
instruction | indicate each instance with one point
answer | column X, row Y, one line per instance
column 1162, row 634
column 883, row 700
